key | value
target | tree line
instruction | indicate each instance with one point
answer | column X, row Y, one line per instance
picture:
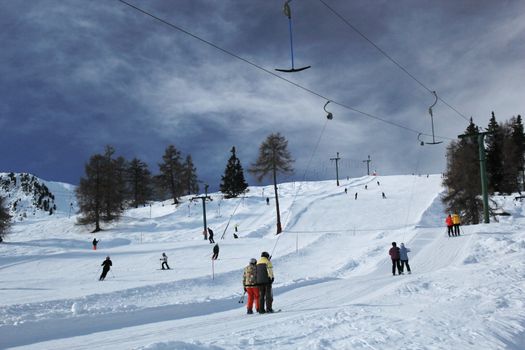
column 505, row 150
column 111, row 184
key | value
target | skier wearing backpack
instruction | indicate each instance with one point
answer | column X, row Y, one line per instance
column 249, row 282
column 403, row 257
column 265, row 279
column 394, row 255
column 106, row 266
column 95, row 242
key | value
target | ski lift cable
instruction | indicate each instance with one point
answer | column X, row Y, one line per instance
column 231, row 216
column 354, row 28
column 275, row 74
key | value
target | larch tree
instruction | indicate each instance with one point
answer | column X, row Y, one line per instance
column 170, row 177
column 274, row 158
column 139, row 182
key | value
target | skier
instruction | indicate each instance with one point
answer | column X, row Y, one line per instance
column 215, row 255
column 106, row 265
column 346, row 190
column 383, row 195
column 236, row 227
column 366, row 187
column 355, row 197
column 95, row 242
column 403, row 257
column 210, row 232
column 164, row 260
column 394, row 255
column 249, row 282
column 457, row 222
column 264, row 281
column 378, row 184
column 267, row 200
column 450, row 225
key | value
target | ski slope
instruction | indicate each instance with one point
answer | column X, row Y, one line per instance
column 333, row 279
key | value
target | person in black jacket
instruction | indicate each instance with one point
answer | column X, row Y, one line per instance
column 106, row 266
column 215, row 255
column 95, row 242
column 264, row 282
column 210, row 235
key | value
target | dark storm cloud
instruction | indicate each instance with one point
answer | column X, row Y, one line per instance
column 77, row 75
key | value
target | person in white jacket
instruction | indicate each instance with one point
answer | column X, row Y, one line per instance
column 403, row 257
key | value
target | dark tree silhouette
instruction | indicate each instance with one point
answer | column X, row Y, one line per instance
column 274, row 158
column 233, row 182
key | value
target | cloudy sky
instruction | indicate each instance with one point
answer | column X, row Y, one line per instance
column 76, row 75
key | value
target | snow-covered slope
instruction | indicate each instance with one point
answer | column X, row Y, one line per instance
column 333, row 279
column 28, row 196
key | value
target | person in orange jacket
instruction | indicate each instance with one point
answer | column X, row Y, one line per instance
column 450, row 225
column 456, row 221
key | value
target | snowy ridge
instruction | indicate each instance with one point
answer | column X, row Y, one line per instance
column 29, row 196
column 333, row 278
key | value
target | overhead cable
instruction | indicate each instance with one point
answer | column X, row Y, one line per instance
column 230, row 53
column 354, row 28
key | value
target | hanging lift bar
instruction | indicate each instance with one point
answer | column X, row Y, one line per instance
column 288, row 13
column 329, row 115
column 422, row 143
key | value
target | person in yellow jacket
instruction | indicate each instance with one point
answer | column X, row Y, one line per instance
column 456, row 222
column 265, row 279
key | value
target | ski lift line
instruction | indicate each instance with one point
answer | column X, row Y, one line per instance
column 231, row 216
column 301, row 183
column 347, row 22
column 274, row 74
column 412, row 190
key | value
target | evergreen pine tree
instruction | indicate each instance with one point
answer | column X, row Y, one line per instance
column 233, row 182
column 462, row 178
column 189, row 176
column 512, row 154
column 5, row 219
column 273, row 158
column 494, row 142
column 139, row 182
column 170, row 177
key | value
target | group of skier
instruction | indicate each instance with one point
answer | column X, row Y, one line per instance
column 257, row 281
column 453, row 222
column 366, row 187
column 399, row 256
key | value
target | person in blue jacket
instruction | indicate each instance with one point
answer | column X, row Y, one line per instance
column 403, row 257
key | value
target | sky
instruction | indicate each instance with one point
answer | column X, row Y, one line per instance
column 77, row 75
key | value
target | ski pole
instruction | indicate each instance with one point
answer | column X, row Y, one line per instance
column 241, row 300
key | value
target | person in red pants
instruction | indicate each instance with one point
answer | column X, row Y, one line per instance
column 249, row 281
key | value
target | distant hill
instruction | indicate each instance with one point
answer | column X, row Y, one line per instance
column 29, row 196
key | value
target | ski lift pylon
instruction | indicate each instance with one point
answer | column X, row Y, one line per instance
column 288, row 13
column 329, row 115
column 432, row 122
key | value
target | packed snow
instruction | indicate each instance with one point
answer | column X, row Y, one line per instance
column 333, row 281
